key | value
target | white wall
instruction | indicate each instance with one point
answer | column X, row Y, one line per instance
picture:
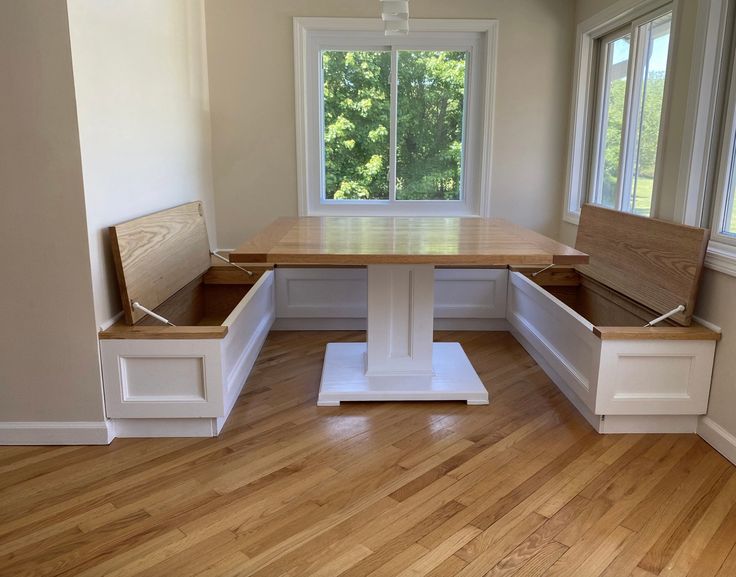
column 140, row 75
column 250, row 53
column 49, row 364
column 717, row 299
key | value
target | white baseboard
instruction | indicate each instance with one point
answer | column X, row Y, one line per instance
column 666, row 424
column 718, row 438
column 56, row 433
column 471, row 324
column 359, row 324
column 151, row 428
column 319, row 324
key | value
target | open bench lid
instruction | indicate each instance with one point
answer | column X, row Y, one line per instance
column 653, row 262
column 158, row 254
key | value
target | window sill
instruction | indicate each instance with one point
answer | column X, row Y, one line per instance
column 721, row 257
column 571, row 218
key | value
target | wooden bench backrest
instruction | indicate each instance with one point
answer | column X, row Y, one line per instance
column 653, row 262
column 158, row 254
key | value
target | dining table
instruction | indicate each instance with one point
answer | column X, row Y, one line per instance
column 400, row 360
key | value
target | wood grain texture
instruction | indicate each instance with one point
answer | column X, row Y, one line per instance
column 158, row 254
column 198, row 309
column 656, row 263
column 402, row 240
column 520, row 487
column 694, row 332
column 122, row 330
column 614, row 316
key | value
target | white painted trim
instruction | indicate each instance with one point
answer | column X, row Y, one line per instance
column 718, row 438
column 344, row 378
column 491, row 325
column 707, row 324
column 56, row 433
column 588, row 32
column 400, row 320
column 242, row 368
column 109, row 322
column 721, row 257
column 311, row 34
column 359, row 324
column 701, row 121
column 155, row 428
column 662, row 424
column 319, row 324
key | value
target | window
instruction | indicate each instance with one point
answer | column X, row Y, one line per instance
column 393, row 125
column 629, row 114
column 723, row 222
column 408, row 147
column 622, row 65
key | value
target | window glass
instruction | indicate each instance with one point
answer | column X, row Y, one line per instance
column 729, row 214
column 656, row 38
column 356, row 121
column 629, row 114
column 612, row 117
column 429, row 139
column 426, row 118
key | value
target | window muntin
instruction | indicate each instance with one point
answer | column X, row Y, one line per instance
column 633, row 71
column 393, row 124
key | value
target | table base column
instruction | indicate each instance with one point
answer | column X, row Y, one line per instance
column 399, row 362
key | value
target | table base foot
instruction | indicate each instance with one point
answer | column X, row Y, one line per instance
column 344, row 378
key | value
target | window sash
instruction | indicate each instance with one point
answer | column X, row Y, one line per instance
column 726, row 176
column 597, row 162
column 630, row 129
column 393, row 131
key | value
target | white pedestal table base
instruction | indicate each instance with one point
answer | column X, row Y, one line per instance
column 344, row 378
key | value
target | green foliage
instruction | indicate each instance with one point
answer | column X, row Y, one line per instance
column 356, row 121
column 357, row 124
column 648, row 131
column 430, row 125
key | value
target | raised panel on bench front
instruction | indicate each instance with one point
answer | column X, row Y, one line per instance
column 343, row 293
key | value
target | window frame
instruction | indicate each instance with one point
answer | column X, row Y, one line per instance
column 724, row 245
column 584, row 117
column 312, row 36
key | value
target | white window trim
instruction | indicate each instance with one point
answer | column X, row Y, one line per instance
column 314, row 34
column 721, row 254
column 703, row 151
column 583, row 104
column 702, row 123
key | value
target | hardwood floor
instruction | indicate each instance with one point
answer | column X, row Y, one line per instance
column 521, row 487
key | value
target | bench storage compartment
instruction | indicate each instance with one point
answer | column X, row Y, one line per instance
column 180, row 380
column 589, row 336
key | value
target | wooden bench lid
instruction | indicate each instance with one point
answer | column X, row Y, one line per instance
column 654, row 262
column 158, row 254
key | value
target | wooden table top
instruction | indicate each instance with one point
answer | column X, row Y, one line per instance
column 363, row 240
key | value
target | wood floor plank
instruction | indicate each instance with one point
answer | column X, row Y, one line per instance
column 519, row 488
column 701, row 535
column 729, row 565
column 714, row 555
